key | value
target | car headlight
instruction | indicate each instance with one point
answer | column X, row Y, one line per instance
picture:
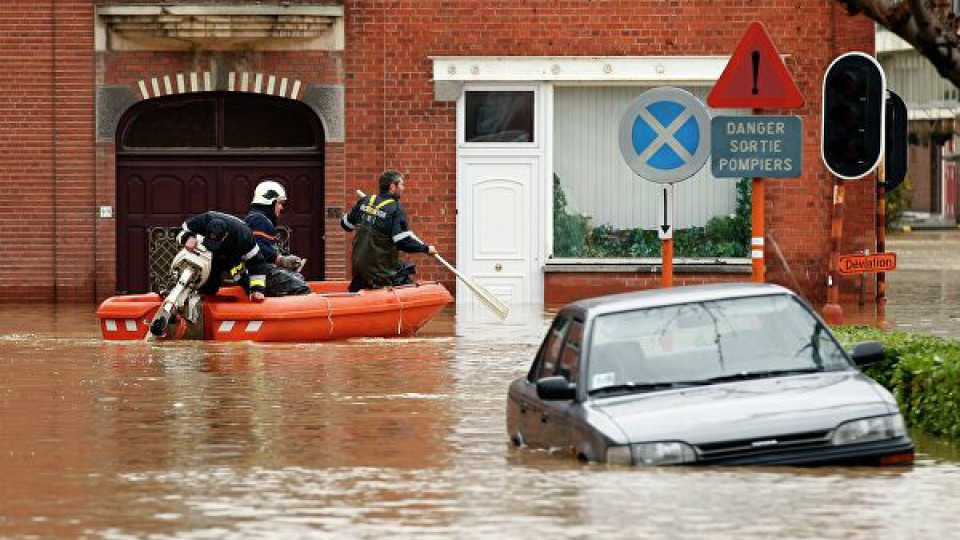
column 877, row 428
column 658, row 453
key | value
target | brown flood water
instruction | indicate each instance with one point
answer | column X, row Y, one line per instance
column 370, row 438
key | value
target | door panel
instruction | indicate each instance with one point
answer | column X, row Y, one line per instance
column 167, row 195
column 497, row 227
column 136, row 250
column 502, row 236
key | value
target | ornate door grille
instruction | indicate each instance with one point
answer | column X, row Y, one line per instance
column 164, row 247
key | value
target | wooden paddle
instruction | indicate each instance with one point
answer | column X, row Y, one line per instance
column 486, row 297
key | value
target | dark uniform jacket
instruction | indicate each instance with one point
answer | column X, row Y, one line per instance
column 264, row 226
column 280, row 281
column 232, row 246
column 381, row 231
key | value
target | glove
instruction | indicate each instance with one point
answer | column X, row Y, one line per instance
column 290, row 262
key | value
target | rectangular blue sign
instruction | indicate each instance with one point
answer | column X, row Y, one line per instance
column 756, row 146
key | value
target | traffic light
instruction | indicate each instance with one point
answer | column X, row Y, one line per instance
column 895, row 145
column 852, row 119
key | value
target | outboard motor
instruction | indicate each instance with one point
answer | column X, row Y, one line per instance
column 192, row 269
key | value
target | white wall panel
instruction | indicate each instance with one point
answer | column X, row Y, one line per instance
column 915, row 79
column 597, row 181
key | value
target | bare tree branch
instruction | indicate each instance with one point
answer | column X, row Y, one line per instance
column 921, row 23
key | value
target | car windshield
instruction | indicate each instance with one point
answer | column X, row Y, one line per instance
column 708, row 343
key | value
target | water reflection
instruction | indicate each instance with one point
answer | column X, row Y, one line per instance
column 924, row 291
column 367, row 438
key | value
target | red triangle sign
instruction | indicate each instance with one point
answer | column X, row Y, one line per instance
column 755, row 76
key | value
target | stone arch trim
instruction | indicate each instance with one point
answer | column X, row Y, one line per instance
column 326, row 101
column 202, row 81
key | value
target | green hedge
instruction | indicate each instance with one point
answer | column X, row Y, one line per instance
column 922, row 372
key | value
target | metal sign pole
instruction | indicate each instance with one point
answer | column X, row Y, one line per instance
column 881, row 237
column 832, row 311
column 757, row 231
column 665, row 231
column 666, row 248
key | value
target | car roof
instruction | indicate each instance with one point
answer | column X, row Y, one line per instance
column 673, row 296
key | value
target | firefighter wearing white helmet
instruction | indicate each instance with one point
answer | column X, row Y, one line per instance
column 267, row 192
column 283, row 276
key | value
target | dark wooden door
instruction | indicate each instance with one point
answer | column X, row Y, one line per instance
column 229, row 143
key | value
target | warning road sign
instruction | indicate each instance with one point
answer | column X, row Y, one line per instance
column 755, row 76
column 757, row 146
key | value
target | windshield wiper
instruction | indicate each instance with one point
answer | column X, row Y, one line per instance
column 644, row 387
column 760, row 374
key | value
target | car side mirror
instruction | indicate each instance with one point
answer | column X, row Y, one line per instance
column 555, row 389
column 867, row 352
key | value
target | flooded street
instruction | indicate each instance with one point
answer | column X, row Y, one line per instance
column 370, row 438
column 924, row 291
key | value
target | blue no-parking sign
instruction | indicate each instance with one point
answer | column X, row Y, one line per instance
column 665, row 135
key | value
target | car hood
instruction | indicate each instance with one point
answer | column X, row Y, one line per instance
column 747, row 409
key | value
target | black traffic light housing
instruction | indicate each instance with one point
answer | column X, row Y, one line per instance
column 895, row 147
column 852, row 119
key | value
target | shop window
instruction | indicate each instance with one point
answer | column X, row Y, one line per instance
column 501, row 116
column 602, row 210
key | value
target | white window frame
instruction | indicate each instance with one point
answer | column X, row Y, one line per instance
column 537, row 112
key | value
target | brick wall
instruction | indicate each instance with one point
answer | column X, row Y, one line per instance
column 54, row 175
column 564, row 287
column 46, row 135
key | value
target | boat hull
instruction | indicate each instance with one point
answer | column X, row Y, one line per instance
column 329, row 313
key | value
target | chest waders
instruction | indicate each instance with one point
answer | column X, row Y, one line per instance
column 375, row 256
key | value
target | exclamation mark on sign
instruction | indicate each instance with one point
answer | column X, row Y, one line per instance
column 755, row 55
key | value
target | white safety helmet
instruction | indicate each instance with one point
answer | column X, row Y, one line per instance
column 269, row 191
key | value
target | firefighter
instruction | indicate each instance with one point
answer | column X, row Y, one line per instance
column 233, row 248
column 283, row 276
column 381, row 232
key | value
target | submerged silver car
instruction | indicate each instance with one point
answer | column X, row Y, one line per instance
column 732, row 374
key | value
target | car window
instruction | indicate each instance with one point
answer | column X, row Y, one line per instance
column 570, row 359
column 546, row 364
column 703, row 340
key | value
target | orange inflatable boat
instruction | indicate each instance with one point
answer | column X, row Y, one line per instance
column 329, row 313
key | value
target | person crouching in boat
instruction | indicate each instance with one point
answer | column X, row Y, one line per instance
column 233, row 248
column 283, row 277
column 381, row 232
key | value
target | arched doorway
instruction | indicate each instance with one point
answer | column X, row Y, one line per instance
column 181, row 155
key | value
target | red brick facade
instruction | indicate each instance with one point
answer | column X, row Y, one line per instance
column 54, row 174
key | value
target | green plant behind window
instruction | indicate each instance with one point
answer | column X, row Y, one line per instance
column 569, row 230
column 722, row 236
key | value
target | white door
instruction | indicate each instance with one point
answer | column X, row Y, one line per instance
column 497, row 227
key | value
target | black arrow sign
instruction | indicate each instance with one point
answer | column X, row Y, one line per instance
column 665, row 226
